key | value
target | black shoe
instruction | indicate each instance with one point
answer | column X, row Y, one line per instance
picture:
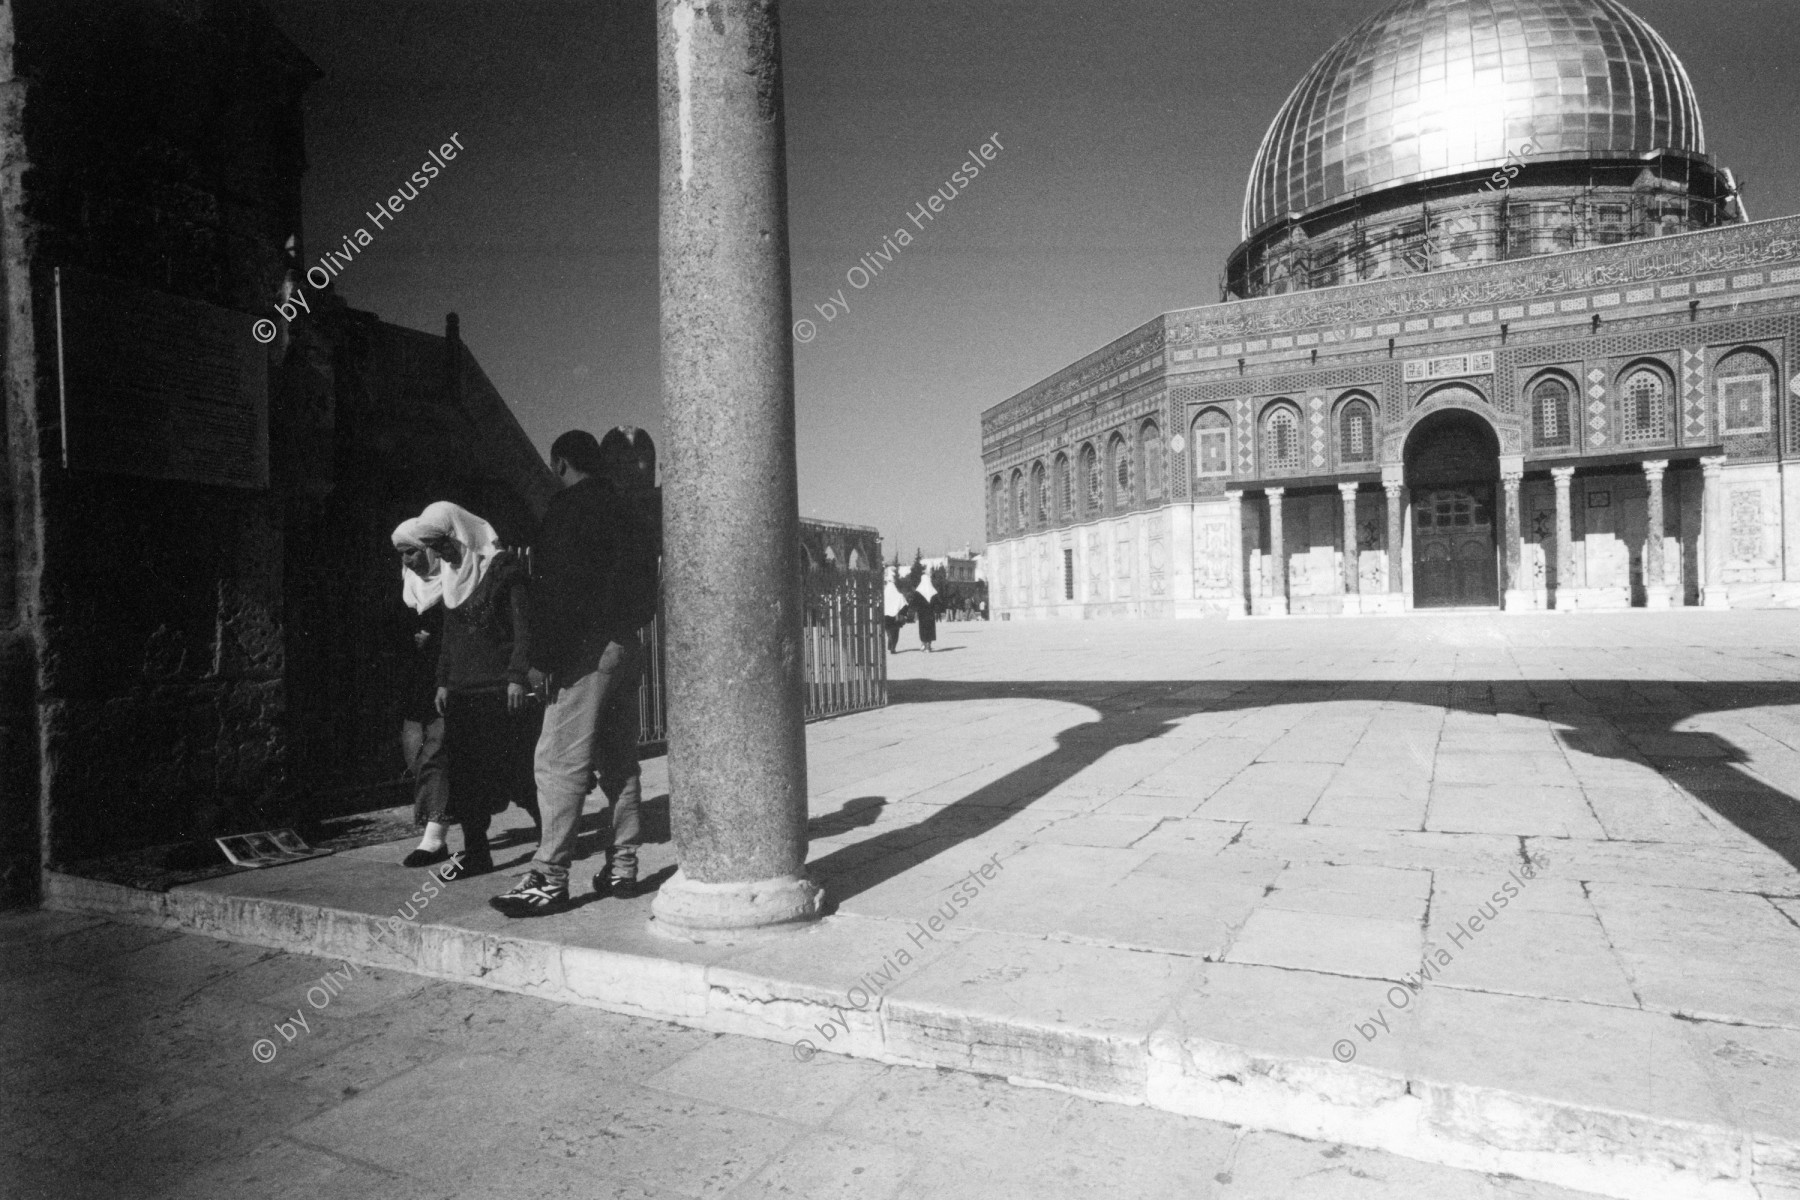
column 470, row 862
column 426, row 858
column 533, row 896
column 620, row 887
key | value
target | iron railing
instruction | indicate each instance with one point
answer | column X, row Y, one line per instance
column 845, row 655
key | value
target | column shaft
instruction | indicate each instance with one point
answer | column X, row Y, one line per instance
column 1714, row 531
column 1396, row 538
column 1238, row 605
column 1562, row 477
column 1656, row 589
column 1352, row 552
column 1513, row 594
column 1278, row 572
column 737, row 742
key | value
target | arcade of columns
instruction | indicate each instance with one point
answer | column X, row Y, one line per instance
column 1656, row 587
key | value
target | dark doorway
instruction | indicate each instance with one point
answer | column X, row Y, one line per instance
column 1452, row 467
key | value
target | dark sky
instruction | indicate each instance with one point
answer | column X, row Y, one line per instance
column 1128, row 130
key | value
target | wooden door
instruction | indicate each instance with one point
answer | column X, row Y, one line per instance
column 1453, row 549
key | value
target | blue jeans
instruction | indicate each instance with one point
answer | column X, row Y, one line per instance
column 590, row 728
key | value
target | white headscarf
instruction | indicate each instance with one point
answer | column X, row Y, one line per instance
column 893, row 603
column 440, row 522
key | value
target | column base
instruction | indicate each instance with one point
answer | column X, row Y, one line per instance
column 1713, row 596
column 1518, row 600
column 1353, row 604
column 1382, row 603
column 1658, row 597
column 689, row 911
column 1269, row 606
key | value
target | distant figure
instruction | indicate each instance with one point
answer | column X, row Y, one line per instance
column 489, row 721
column 595, row 574
column 893, row 607
column 923, row 593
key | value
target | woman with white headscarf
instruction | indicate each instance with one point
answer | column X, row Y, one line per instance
column 893, row 607
column 452, row 557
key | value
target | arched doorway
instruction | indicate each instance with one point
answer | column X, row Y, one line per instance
column 1452, row 468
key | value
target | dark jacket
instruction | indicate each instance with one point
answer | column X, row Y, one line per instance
column 487, row 638
column 594, row 575
column 419, row 659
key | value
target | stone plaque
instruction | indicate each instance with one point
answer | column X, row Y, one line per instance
column 1453, row 366
column 160, row 387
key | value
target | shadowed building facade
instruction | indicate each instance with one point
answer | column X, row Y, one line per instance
column 1498, row 335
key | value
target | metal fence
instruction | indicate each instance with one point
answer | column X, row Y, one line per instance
column 845, row 655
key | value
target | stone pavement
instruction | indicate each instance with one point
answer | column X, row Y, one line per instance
column 128, row 1054
column 1254, row 872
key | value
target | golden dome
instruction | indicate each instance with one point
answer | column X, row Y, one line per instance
column 1434, row 88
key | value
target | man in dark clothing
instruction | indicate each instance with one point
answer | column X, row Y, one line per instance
column 594, row 585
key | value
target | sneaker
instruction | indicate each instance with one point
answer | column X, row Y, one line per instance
column 621, row 887
column 533, row 896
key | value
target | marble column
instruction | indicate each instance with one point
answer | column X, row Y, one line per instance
column 1656, row 588
column 1352, row 551
column 1562, row 477
column 1237, row 605
column 1514, row 596
column 1278, row 569
column 1396, row 536
column 1715, row 532
column 737, row 742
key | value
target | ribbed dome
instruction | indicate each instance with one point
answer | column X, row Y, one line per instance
column 1432, row 88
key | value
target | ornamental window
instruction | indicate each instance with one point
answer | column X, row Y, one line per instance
column 1550, row 413
column 1040, row 494
column 1020, row 501
column 1121, row 472
column 1646, row 406
column 1281, row 440
column 1091, row 478
column 1065, row 495
column 1356, row 433
column 1150, row 447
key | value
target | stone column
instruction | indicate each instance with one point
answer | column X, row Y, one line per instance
column 1513, row 596
column 1238, row 605
column 1656, row 589
column 1352, row 551
column 1565, row 538
column 737, row 744
column 1278, row 572
column 1396, row 539
column 1715, row 532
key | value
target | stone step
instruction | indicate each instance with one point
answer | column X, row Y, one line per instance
column 1199, row 1060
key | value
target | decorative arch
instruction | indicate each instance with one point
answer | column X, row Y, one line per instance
column 1019, row 500
column 1646, row 396
column 1150, row 459
column 1063, row 494
column 1212, row 444
column 1119, row 472
column 997, row 506
column 1550, row 399
column 1748, row 381
column 1355, row 425
column 1040, row 495
column 1461, row 396
column 1091, row 481
column 1281, row 440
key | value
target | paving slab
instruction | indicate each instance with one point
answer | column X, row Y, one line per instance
column 1224, row 852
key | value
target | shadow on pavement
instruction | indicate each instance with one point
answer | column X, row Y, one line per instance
column 1630, row 721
